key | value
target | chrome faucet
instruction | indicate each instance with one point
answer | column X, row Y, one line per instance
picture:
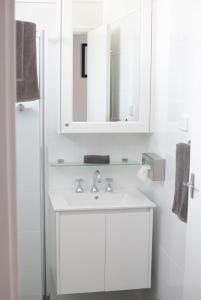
column 96, row 179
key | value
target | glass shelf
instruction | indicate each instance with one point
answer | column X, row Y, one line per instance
column 81, row 164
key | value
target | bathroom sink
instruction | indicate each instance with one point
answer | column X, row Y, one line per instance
column 100, row 200
column 70, row 201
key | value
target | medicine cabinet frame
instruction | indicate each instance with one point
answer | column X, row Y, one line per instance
column 66, row 124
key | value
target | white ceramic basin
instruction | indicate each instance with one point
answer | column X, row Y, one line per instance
column 102, row 200
column 62, row 200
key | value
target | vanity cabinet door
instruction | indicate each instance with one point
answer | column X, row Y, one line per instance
column 82, row 253
column 128, row 238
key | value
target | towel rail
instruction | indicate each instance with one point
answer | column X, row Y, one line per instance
column 20, row 107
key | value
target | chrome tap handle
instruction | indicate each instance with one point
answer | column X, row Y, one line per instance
column 79, row 188
column 109, row 188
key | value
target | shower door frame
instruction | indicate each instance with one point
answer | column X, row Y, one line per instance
column 43, row 155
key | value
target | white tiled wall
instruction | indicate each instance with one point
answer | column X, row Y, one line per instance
column 113, row 10
column 170, row 100
column 170, row 95
column 87, row 14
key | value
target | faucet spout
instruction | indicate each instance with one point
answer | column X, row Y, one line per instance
column 96, row 179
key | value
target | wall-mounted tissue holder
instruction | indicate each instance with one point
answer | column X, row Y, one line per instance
column 157, row 166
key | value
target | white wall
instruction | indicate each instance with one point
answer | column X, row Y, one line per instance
column 170, row 78
column 170, row 99
column 72, row 148
column 113, row 9
column 87, row 14
column 170, row 96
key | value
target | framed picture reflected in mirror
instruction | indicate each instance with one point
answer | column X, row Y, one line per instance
column 84, row 60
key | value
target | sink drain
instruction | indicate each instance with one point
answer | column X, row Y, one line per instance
column 96, row 197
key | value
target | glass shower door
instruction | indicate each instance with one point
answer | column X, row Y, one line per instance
column 29, row 200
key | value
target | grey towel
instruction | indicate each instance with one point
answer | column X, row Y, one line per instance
column 27, row 78
column 20, row 49
column 180, row 206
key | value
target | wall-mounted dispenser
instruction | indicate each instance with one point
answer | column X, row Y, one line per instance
column 156, row 166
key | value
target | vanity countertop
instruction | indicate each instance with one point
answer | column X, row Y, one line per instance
column 63, row 200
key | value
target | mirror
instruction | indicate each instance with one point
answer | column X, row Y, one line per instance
column 106, row 67
column 125, row 68
column 91, row 63
column 111, row 64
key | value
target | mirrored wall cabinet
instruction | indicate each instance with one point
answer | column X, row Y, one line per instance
column 105, row 67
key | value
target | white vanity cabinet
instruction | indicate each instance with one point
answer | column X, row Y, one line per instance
column 101, row 250
column 81, row 253
column 128, row 250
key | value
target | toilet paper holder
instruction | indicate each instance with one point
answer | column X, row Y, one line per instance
column 157, row 164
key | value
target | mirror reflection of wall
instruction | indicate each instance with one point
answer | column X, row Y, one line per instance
column 111, row 90
column 125, row 68
column 87, row 15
